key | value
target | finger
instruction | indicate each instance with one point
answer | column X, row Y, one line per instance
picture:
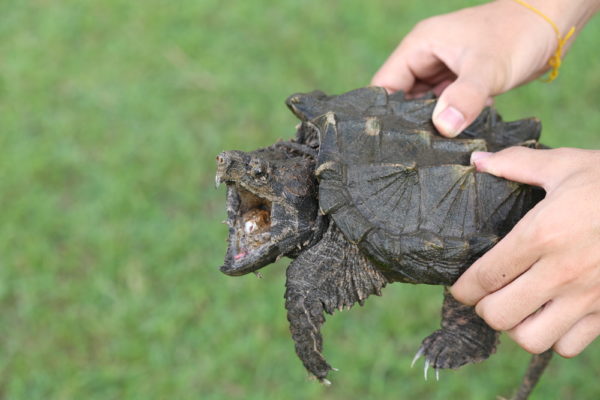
column 459, row 104
column 435, row 83
column 395, row 74
column 579, row 336
column 440, row 87
column 464, row 99
column 407, row 64
column 543, row 329
column 419, row 89
column 428, row 68
column 509, row 306
column 508, row 259
column 521, row 164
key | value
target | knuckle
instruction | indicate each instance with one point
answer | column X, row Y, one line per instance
column 570, row 273
column 540, row 231
column 459, row 295
column 511, row 152
column 489, row 280
column 546, row 238
column 562, row 152
column 426, row 24
column 507, row 156
column 566, row 351
column 503, row 162
column 563, row 157
column 534, row 346
column 574, row 160
column 499, row 323
column 495, row 319
column 531, row 343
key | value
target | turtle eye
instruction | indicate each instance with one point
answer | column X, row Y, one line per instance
column 258, row 168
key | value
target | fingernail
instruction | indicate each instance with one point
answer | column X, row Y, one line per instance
column 450, row 121
column 477, row 156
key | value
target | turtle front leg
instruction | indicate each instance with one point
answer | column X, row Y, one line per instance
column 464, row 338
column 331, row 275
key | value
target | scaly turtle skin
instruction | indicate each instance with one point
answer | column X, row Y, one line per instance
column 368, row 194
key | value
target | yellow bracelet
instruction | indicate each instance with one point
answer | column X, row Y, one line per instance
column 556, row 59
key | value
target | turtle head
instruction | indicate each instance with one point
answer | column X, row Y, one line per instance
column 272, row 206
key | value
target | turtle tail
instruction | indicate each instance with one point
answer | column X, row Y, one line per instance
column 536, row 368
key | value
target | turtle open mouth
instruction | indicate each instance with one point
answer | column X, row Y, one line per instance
column 271, row 206
column 252, row 223
column 249, row 220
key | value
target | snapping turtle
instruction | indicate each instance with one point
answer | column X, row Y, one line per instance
column 368, row 193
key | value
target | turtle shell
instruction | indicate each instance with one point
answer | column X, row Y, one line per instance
column 406, row 195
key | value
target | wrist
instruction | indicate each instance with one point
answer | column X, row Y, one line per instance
column 561, row 21
column 565, row 13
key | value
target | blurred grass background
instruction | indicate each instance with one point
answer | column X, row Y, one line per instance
column 112, row 113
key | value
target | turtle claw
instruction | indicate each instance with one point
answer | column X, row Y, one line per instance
column 446, row 349
column 325, row 382
column 417, row 356
column 335, row 369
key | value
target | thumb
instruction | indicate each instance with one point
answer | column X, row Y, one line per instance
column 459, row 104
column 520, row 164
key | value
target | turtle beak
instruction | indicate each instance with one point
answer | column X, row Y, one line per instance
column 224, row 162
column 221, row 168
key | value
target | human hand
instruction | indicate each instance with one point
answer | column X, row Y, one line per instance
column 468, row 56
column 541, row 283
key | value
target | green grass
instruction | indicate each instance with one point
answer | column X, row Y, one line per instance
column 111, row 114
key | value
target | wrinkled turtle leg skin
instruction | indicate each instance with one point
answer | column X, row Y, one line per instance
column 464, row 338
column 536, row 368
column 331, row 275
column 305, row 318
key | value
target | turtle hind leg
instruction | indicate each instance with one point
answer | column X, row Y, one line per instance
column 331, row 275
column 464, row 338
